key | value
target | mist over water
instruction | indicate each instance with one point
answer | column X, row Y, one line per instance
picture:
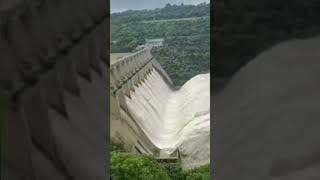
column 175, row 118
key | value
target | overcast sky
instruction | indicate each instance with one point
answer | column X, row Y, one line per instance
column 121, row 5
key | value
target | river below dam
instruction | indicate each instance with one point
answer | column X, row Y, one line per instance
column 175, row 118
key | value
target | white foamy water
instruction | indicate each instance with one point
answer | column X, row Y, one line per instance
column 175, row 119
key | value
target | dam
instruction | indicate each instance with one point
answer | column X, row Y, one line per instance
column 159, row 118
column 56, row 73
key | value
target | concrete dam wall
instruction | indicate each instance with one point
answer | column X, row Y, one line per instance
column 160, row 119
column 54, row 69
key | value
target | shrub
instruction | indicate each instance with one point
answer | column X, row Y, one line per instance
column 174, row 171
column 141, row 167
column 136, row 167
column 200, row 173
column 116, row 147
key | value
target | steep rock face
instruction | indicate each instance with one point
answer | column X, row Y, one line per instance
column 267, row 118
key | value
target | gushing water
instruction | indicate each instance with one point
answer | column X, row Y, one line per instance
column 175, row 118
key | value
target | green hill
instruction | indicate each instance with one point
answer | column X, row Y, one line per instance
column 187, row 50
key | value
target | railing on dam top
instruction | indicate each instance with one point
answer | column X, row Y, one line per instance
column 128, row 66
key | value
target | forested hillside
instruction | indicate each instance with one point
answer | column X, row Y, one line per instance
column 168, row 12
column 185, row 57
column 187, row 50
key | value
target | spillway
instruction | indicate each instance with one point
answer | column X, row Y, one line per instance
column 175, row 118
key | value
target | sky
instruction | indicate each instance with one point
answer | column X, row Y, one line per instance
column 122, row 5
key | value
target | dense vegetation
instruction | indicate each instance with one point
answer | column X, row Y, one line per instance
column 168, row 12
column 136, row 167
column 140, row 167
column 126, row 37
column 187, row 50
column 185, row 57
column 243, row 28
column 200, row 173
